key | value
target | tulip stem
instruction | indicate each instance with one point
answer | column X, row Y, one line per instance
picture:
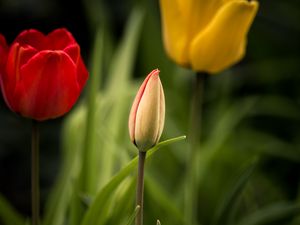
column 140, row 188
column 191, row 196
column 35, row 191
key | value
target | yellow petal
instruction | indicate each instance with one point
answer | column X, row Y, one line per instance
column 223, row 41
column 198, row 14
column 174, row 31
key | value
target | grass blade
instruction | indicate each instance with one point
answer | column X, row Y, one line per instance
column 132, row 217
column 59, row 200
column 88, row 178
column 232, row 195
column 161, row 198
column 94, row 212
column 117, row 89
column 8, row 215
column 272, row 213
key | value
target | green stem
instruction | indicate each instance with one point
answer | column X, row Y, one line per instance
column 191, row 197
column 140, row 188
column 35, row 191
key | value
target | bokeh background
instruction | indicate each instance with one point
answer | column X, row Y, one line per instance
column 251, row 111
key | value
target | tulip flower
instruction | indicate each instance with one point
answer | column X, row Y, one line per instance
column 206, row 35
column 3, row 52
column 43, row 75
column 147, row 115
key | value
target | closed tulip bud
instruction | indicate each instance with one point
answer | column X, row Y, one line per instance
column 147, row 115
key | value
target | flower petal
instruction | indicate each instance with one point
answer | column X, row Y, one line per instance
column 223, row 42
column 82, row 74
column 3, row 52
column 3, row 60
column 147, row 126
column 73, row 51
column 162, row 112
column 17, row 56
column 48, row 87
column 33, row 38
column 135, row 105
column 174, row 31
column 59, row 39
column 198, row 14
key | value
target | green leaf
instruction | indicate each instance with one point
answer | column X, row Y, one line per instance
column 118, row 88
column 8, row 215
column 88, row 177
column 95, row 211
column 270, row 145
column 122, row 202
column 59, row 198
column 279, row 106
column 86, row 184
column 132, row 217
column 123, row 62
column 232, row 195
column 272, row 213
column 163, row 200
column 223, row 128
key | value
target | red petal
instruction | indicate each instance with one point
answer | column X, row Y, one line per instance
column 16, row 58
column 48, row 87
column 2, row 41
column 59, row 39
column 82, row 74
column 3, row 52
column 33, row 38
column 73, row 51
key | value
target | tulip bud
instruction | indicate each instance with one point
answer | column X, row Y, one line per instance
column 147, row 115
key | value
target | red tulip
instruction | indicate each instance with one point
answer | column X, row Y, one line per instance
column 44, row 74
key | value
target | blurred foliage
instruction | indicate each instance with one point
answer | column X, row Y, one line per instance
column 248, row 161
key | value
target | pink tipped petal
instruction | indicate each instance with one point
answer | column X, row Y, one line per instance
column 134, row 108
column 43, row 98
column 59, row 39
column 33, row 38
column 147, row 115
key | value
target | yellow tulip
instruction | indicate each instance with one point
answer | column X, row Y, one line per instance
column 147, row 115
column 206, row 35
